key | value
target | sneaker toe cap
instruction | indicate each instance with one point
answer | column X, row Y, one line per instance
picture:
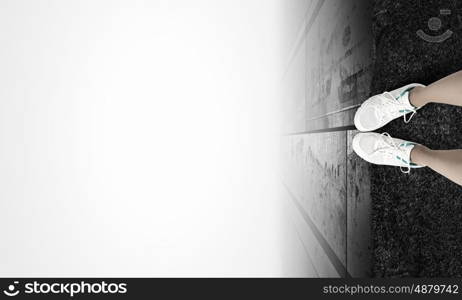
column 366, row 119
column 364, row 144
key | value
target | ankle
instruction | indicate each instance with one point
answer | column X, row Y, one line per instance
column 421, row 155
column 417, row 97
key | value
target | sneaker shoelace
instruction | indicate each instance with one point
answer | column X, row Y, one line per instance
column 390, row 109
column 390, row 143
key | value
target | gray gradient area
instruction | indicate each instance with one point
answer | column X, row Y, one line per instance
column 328, row 74
column 153, row 138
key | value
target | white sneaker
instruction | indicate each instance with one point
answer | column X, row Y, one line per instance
column 382, row 149
column 379, row 110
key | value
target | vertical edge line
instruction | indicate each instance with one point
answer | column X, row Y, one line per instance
column 346, row 200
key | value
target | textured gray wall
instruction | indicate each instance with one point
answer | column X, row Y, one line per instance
column 328, row 74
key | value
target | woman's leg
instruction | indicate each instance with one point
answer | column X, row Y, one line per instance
column 446, row 162
column 447, row 90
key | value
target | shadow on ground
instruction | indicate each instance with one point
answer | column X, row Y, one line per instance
column 417, row 218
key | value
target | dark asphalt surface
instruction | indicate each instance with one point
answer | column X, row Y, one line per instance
column 417, row 218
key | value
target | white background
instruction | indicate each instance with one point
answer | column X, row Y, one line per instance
column 138, row 138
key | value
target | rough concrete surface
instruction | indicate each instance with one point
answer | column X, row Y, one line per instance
column 328, row 75
column 417, row 218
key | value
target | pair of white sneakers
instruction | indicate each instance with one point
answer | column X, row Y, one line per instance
column 376, row 112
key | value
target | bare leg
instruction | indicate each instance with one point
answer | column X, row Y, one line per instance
column 447, row 90
column 446, row 162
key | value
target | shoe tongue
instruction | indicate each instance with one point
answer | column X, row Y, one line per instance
column 407, row 151
column 404, row 99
